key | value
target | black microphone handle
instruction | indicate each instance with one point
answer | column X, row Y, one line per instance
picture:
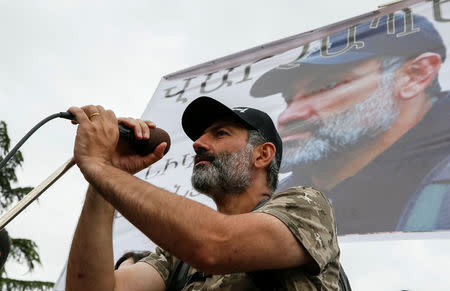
column 142, row 147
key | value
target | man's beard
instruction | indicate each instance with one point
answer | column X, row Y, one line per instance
column 340, row 132
column 226, row 173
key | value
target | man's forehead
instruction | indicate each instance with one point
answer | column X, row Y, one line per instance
column 320, row 76
column 336, row 70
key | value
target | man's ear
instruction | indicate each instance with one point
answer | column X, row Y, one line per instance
column 417, row 74
column 264, row 154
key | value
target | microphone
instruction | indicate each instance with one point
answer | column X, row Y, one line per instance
column 142, row 147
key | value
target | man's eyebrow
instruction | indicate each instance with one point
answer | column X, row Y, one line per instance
column 224, row 124
column 216, row 127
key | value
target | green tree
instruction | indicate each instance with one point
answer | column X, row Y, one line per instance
column 23, row 251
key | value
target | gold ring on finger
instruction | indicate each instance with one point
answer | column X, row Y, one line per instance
column 93, row 114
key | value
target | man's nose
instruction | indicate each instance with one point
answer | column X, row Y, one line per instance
column 201, row 144
column 296, row 110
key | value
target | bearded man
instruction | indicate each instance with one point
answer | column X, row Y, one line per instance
column 255, row 241
column 369, row 126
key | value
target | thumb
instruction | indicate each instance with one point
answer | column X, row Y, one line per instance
column 156, row 155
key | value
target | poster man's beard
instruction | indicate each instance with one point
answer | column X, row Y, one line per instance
column 338, row 133
column 226, row 173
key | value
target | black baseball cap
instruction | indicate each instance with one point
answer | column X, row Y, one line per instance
column 204, row 111
column 394, row 35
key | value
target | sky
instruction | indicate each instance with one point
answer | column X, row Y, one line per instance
column 56, row 54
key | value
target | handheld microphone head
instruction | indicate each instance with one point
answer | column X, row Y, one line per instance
column 144, row 147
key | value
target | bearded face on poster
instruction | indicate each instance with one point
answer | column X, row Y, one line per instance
column 366, row 122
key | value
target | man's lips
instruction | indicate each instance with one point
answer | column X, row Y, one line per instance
column 203, row 159
column 299, row 130
column 300, row 135
column 201, row 162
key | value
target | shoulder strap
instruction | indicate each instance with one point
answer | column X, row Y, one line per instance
column 344, row 284
column 178, row 278
column 265, row 280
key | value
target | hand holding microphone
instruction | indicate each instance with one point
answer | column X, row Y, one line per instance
column 142, row 146
column 96, row 142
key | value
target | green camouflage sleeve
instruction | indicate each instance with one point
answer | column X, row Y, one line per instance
column 309, row 216
column 162, row 261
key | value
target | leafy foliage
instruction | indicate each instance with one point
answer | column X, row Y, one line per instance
column 16, row 285
column 23, row 251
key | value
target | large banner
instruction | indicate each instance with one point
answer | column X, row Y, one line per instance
column 364, row 115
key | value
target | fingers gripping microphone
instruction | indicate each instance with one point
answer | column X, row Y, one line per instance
column 142, row 147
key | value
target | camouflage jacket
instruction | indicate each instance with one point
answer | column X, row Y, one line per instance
column 308, row 215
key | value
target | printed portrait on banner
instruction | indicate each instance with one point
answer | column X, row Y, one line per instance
column 367, row 122
column 363, row 113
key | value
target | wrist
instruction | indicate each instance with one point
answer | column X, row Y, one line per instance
column 97, row 202
column 92, row 169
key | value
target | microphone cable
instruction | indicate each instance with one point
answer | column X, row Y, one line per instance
column 65, row 115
